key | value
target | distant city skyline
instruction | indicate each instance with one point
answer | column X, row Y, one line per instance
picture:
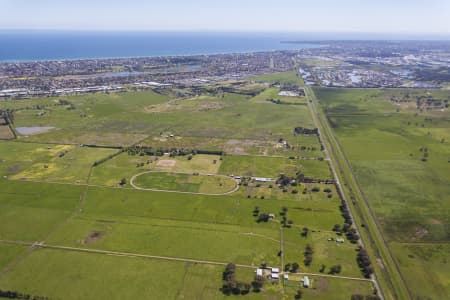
column 382, row 16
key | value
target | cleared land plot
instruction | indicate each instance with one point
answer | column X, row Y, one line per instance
column 300, row 145
column 184, row 182
column 37, row 206
column 126, row 166
column 271, row 167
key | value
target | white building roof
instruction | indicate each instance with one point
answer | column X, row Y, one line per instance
column 306, row 281
column 259, row 272
column 275, row 276
column 275, row 270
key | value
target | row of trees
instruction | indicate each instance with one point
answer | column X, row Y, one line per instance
column 308, row 255
column 364, row 262
column 7, row 115
column 291, row 267
column 301, row 130
column 18, row 295
column 235, row 287
column 347, row 228
column 284, row 221
column 150, row 151
column 367, row 297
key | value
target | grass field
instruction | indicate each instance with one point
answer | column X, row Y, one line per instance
column 206, row 116
column 59, row 163
column 399, row 155
column 125, row 166
column 290, row 77
column 183, row 182
column 26, row 205
column 61, row 191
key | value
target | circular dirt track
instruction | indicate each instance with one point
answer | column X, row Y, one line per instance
column 236, row 184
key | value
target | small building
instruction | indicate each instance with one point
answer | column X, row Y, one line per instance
column 275, row 270
column 339, row 240
column 286, row 277
column 275, row 276
column 259, row 272
column 262, row 179
column 306, row 282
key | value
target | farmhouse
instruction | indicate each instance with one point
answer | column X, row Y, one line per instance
column 306, row 282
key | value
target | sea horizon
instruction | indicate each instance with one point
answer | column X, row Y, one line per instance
column 47, row 45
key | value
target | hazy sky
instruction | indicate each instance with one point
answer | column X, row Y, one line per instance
column 394, row 16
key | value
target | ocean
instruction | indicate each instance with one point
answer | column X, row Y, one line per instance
column 27, row 45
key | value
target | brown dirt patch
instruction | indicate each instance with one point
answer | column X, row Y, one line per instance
column 419, row 233
column 166, row 163
column 13, row 169
column 93, row 237
column 206, row 106
column 164, row 107
column 5, row 133
column 241, row 146
column 321, row 284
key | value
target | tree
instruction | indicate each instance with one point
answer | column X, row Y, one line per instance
column 256, row 211
column 123, row 181
column 257, row 284
column 336, row 269
column 307, row 260
column 337, row 228
column 287, row 267
column 295, row 267
column 322, row 269
column 305, row 231
column 245, row 289
column 299, row 294
column 228, row 274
